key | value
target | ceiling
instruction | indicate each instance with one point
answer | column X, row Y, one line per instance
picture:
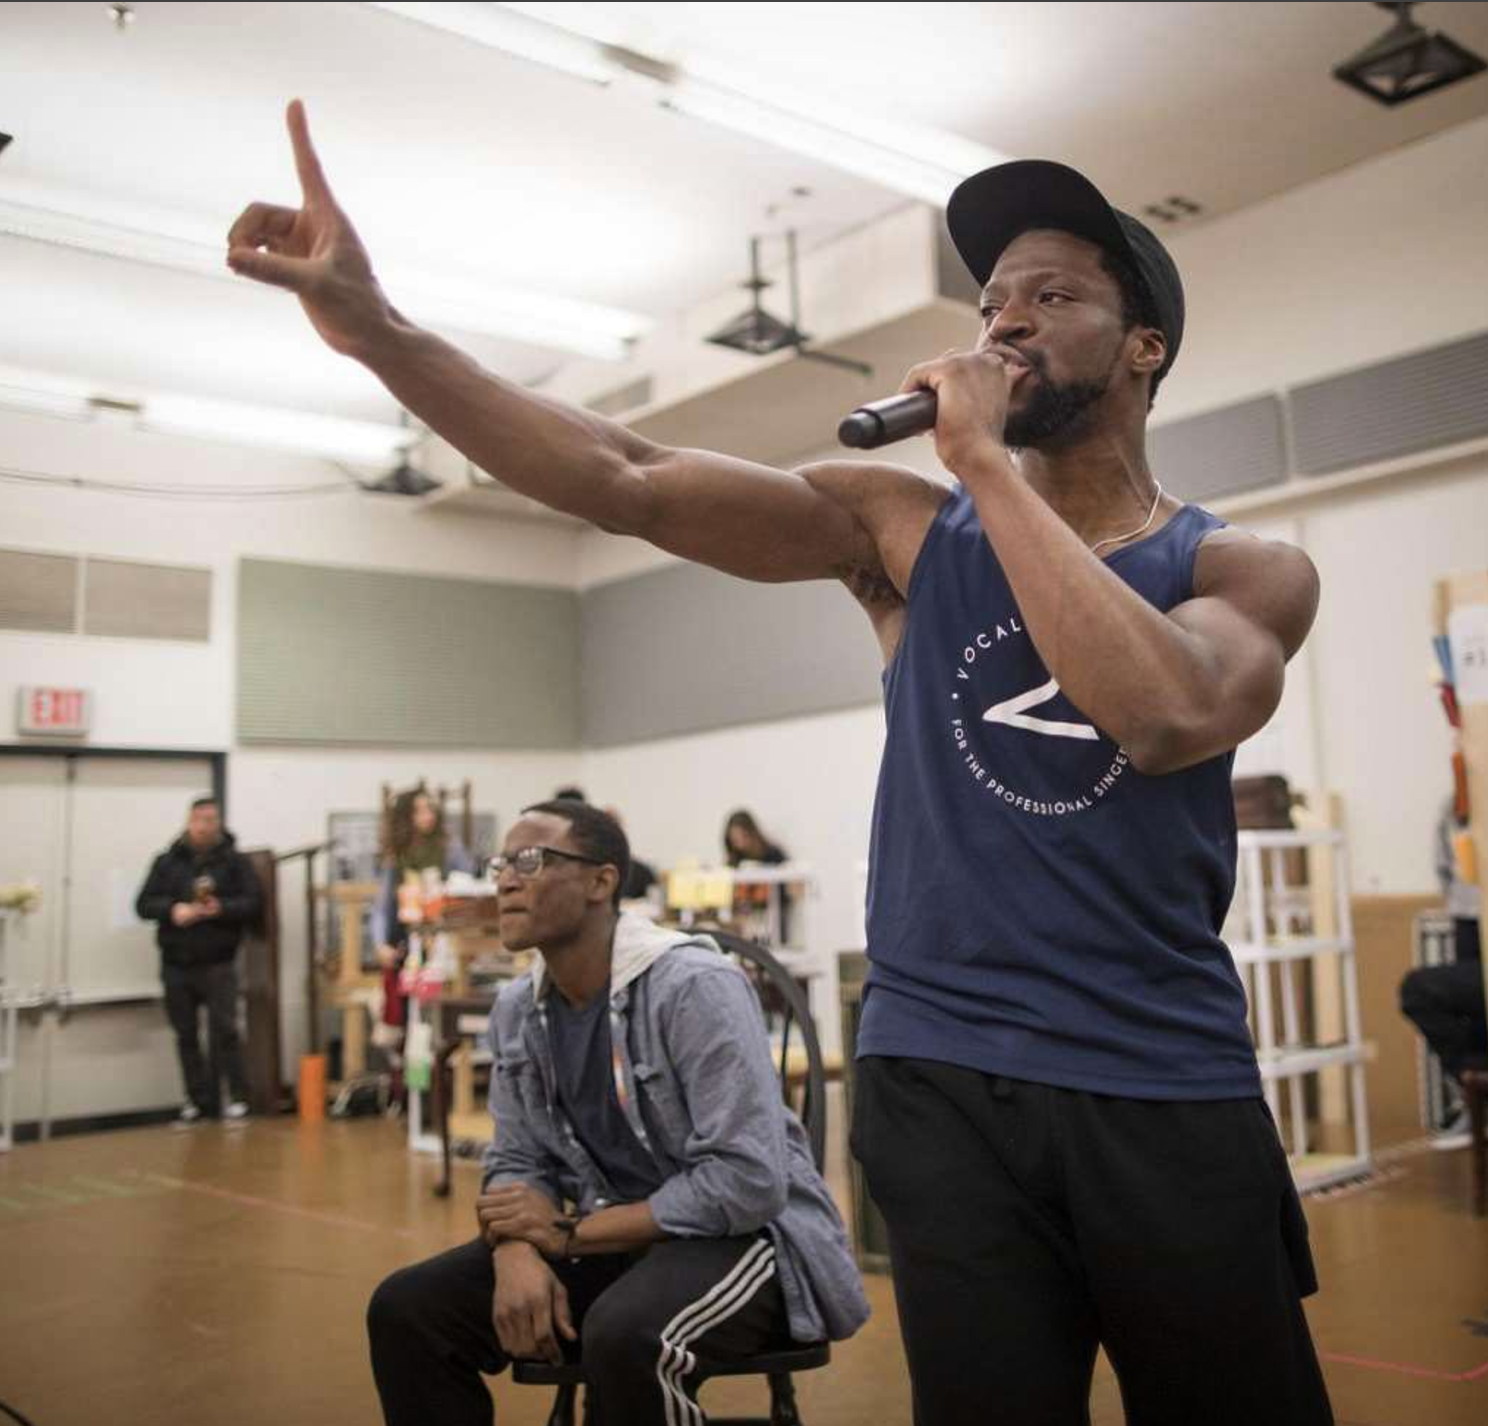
column 459, row 160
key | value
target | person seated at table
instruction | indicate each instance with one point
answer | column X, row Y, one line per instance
column 744, row 842
column 415, row 840
column 1446, row 1002
column 648, row 1199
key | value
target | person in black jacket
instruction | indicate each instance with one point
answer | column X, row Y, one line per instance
column 203, row 892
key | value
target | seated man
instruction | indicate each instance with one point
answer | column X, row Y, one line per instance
column 1445, row 1002
column 633, row 1081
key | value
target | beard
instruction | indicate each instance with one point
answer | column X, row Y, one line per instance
column 1054, row 412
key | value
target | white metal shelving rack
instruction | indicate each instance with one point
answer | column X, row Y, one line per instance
column 1279, row 930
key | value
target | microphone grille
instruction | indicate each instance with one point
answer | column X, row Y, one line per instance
column 860, row 430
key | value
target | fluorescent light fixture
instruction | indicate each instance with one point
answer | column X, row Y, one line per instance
column 617, row 26
column 837, row 145
column 918, row 160
column 337, row 438
column 44, row 395
column 112, row 230
column 505, row 29
column 185, row 243
column 583, row 328
column 362, row 442
column 919, row 148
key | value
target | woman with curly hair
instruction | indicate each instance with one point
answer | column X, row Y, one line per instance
column 415, row 840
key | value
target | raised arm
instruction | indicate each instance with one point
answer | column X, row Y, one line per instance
column 745, row 519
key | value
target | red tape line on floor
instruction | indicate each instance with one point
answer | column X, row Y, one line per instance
column 1404, row 1368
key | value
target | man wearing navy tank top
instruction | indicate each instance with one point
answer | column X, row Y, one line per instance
column 1058, row 1104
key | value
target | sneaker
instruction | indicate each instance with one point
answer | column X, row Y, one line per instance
column 1456, row 1133
column 236, row 1110
column 189, row 1114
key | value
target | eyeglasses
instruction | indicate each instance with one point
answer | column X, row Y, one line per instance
column 528, row 862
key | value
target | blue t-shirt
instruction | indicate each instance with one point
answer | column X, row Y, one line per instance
column 1038, row 908
column 583, row 1059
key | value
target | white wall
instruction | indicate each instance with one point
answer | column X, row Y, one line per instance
column 1384, row 741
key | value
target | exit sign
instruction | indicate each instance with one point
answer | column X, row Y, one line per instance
column 58, row 711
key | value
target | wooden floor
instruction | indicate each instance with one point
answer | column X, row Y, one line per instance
column 218, row 1275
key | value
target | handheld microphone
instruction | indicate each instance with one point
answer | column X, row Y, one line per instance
column 892, row 419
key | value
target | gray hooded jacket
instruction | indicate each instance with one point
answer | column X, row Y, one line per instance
column 694, row 1078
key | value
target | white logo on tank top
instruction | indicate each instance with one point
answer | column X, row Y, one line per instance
column 1058, row 776
column 1011, row 712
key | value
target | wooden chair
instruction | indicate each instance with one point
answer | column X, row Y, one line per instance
column 776, row 1367
column 455, row 1019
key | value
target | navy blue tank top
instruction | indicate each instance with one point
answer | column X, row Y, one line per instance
column 1038, row 908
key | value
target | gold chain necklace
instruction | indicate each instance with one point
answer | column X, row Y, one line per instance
column 1151, row 516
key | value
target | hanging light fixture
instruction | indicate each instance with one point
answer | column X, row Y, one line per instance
column 757, row 333
column 1407, row 61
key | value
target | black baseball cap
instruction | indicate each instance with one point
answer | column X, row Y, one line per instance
column 991, row 208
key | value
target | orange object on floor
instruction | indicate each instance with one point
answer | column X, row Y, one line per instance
column 312, row 1087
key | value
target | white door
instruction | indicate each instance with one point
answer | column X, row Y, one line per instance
column 102, row 1045
column 33, row 801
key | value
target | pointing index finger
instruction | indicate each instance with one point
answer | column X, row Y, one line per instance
column 307, row 163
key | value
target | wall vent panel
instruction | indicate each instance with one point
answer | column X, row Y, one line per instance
column 124, row 600
column 1224, row 452
column 1411, row 403
column 354, row 656
column 38, row 592
column 685, row 649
